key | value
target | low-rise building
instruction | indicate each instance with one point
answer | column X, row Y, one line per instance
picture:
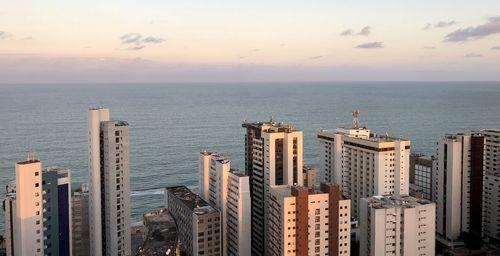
column 160, row 236
column 198, row 223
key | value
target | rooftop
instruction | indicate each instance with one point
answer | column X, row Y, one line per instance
column 271, row 126
column 29, row 161
column 191, row 200
column 215, row 156
column 96, row 108
column 237, row 172
column 379, row 202
column 162, row 236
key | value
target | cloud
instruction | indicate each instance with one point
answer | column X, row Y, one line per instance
column 365, row 31
column 495, row 48
column 4, row 35
column 135, row 48
column 429, row 47
column 348, row 32
column 371, row 45
column 138, row 41
column 473, row 33
column 472, row 55
column 445, row 24
column 440, row 24
column 154, row 40
column 316, row 57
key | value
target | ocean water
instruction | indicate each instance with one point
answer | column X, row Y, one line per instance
column 171, row 123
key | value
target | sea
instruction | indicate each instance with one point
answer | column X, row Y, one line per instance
column 171, row 123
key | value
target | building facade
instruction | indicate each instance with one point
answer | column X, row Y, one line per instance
column 9, row 211
column 198, row 223
column 397, row 225
column 274, row 152
column 109, row 185
column 309, row 175
column 422, row 178
column 80, row 221
column 459, row 168
column 56, row 186
column 238, row 216
column 28, row 223
column 37, row 211
column 491, row 193
column 305, row 221
column 364, row 164
column 229, row 192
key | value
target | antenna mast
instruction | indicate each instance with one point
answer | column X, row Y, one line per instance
column 355, row 115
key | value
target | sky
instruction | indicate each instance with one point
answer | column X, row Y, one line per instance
column 60, row 41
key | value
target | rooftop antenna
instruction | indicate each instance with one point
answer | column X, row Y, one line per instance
column 31, row 155
column 355, row 115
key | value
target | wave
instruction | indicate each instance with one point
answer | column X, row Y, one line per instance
column 149, row 192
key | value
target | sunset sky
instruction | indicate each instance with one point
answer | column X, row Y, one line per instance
column 195, row 41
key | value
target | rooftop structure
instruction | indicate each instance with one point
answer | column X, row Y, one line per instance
column 191, row 200
column 404, row 201
column 161, row 237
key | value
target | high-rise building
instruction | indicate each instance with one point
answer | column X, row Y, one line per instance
column 37, row 211
column 109, row 185
column 238, row 215
column 422, row 178
column 229, row 192
column 28, row 221
column 459, row 167
column 274, row 153
column 364, row 164
column 305, row 221
column 397, row 225
column 80, row 221
column 9, row 211
column 198, row 223
column 309, row 175
column 56, row 186
column 491, row 188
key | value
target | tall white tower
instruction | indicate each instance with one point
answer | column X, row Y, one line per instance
column 362, row 163
column 273, row 157
column 95, row 117
column 28, row 224
column 109, row 185
column 229, row 192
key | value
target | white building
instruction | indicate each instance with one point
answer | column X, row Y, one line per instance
column 228, row 192
column 364, row 164
column 37, row 211
column 276, row 159
column 109, row 187
column 397, row 225
column 28, row 223
column 238, row 215
column 305, row 221
column 454, row 191
column 491, row 188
